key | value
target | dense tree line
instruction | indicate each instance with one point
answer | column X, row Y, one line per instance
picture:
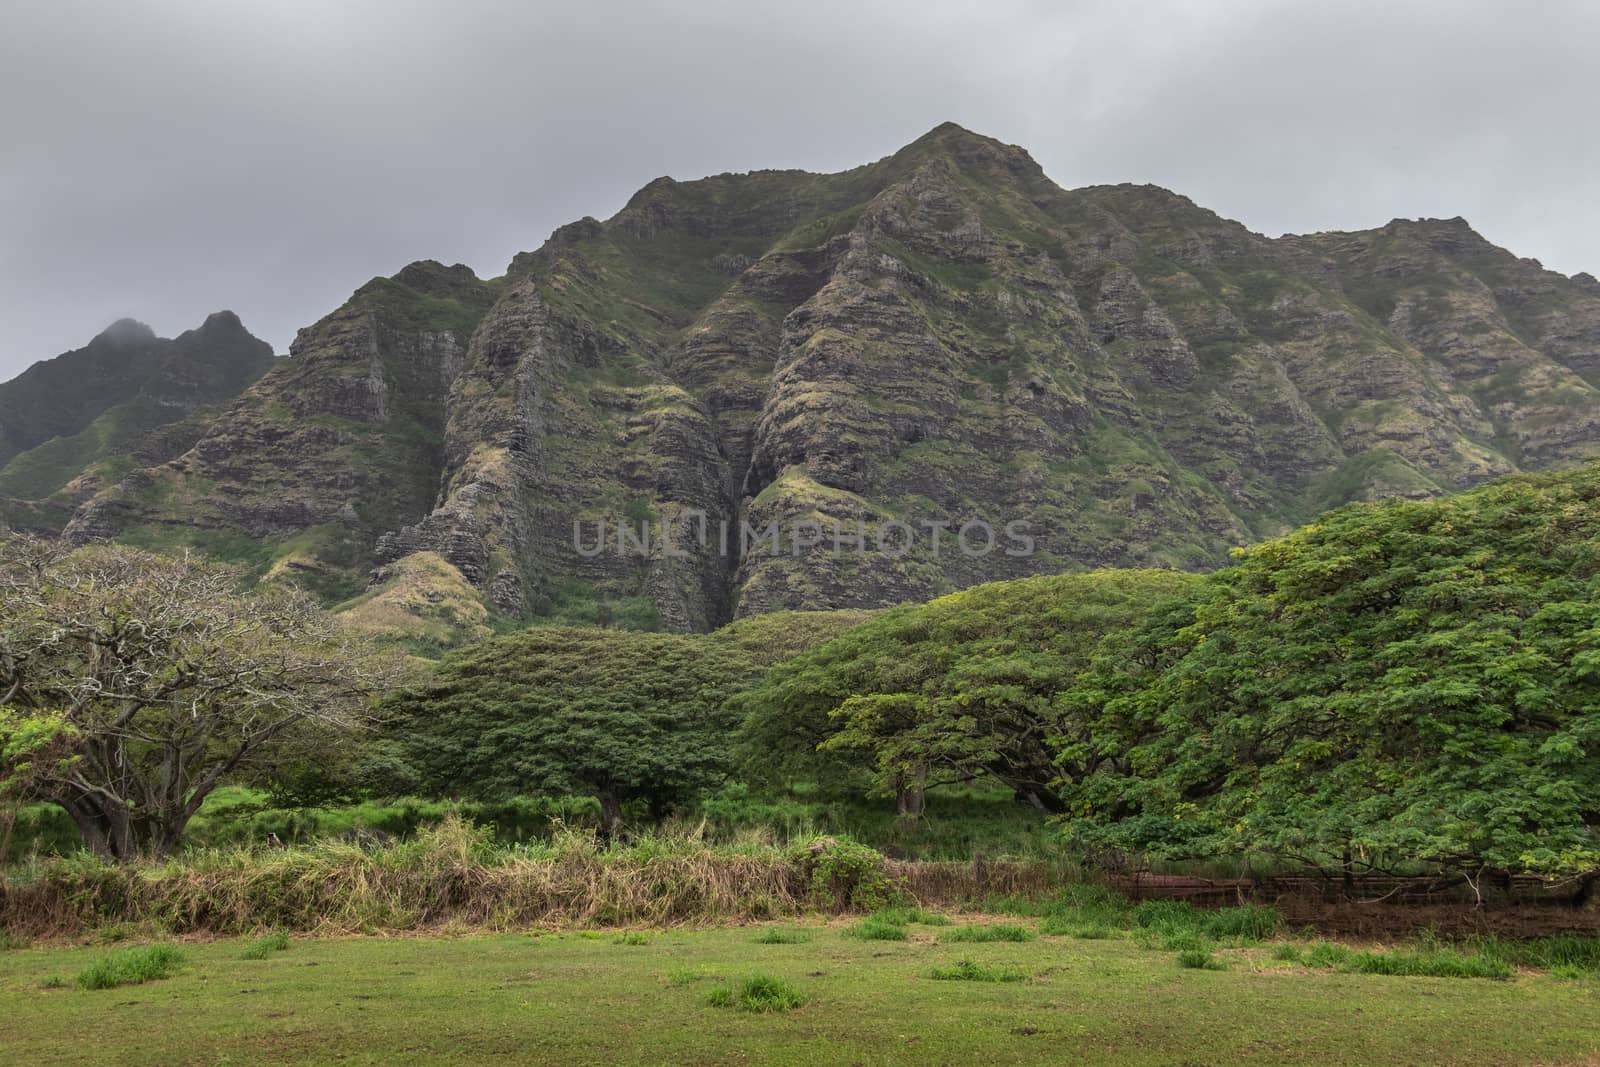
column 1399, row 684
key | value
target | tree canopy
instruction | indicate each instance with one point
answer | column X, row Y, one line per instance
column 958, row 689
column 616, row 715
column 1399, row 682
column 132, row 685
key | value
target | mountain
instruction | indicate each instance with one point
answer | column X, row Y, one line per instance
column 74, row 425
column 944, row 335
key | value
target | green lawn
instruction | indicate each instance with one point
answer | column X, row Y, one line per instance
column 602, row 998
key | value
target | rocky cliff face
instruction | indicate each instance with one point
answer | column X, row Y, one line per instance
column 941, row 337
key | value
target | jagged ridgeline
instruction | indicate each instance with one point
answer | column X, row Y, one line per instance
column 942, row 336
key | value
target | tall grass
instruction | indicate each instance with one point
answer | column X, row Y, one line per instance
column 1423, row 961
column 1177, row 925
column 955, row 824
column 453, row 873
column 1568, row 954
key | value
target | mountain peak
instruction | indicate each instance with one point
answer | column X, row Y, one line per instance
column 223, row 321
column 127, row 332
column 972, row 152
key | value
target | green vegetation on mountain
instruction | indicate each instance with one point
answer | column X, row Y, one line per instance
column 943, row 335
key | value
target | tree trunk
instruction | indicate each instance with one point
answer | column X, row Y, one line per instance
column 910, row 797
column 1585, row 892
column 610, row 813
column 909, row 802
column 93, row 827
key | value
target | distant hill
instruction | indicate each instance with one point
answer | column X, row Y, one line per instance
column 76, row 424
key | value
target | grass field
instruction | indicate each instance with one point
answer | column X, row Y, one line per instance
column 645, row 997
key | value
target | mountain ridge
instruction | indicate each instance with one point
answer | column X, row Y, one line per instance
column 943, row 334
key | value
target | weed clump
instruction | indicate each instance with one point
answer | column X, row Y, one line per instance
column 873, row 928
column 1563, row 955
column 131, row 966
column 1200, row 960
column 1179, row 926
column 265, row 946
column 998, row 932
column 967, row 971
column 759, row 993
column 907, row 916
column 1425, row 962
column 776, row 935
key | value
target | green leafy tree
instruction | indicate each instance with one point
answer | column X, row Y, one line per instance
column 956, row 690
column 135, row 684
column 617, row 715
column 1401, row 682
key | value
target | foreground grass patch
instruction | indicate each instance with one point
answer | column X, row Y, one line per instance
column 997, row 932
column 1200, row 960
column 130, row 966
column 967, row 971
column 569, row 999
column 777, row 935
column 265, row 946
column 1424, row 962
column 876, row 929
column 908, row 916
column 759, row 993
column 1569, row 955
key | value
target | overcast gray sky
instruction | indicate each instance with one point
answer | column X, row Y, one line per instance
column 162, row 159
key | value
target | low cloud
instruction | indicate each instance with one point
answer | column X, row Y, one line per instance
column 166, row 159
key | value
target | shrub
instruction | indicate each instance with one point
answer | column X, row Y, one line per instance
column 10, row 941
column 875, row 929
column 998, row 932
column 131, row 966
column 759, row 993
column 266, row 945
column 775, row 935
column 844, row 874
column 967, row 971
